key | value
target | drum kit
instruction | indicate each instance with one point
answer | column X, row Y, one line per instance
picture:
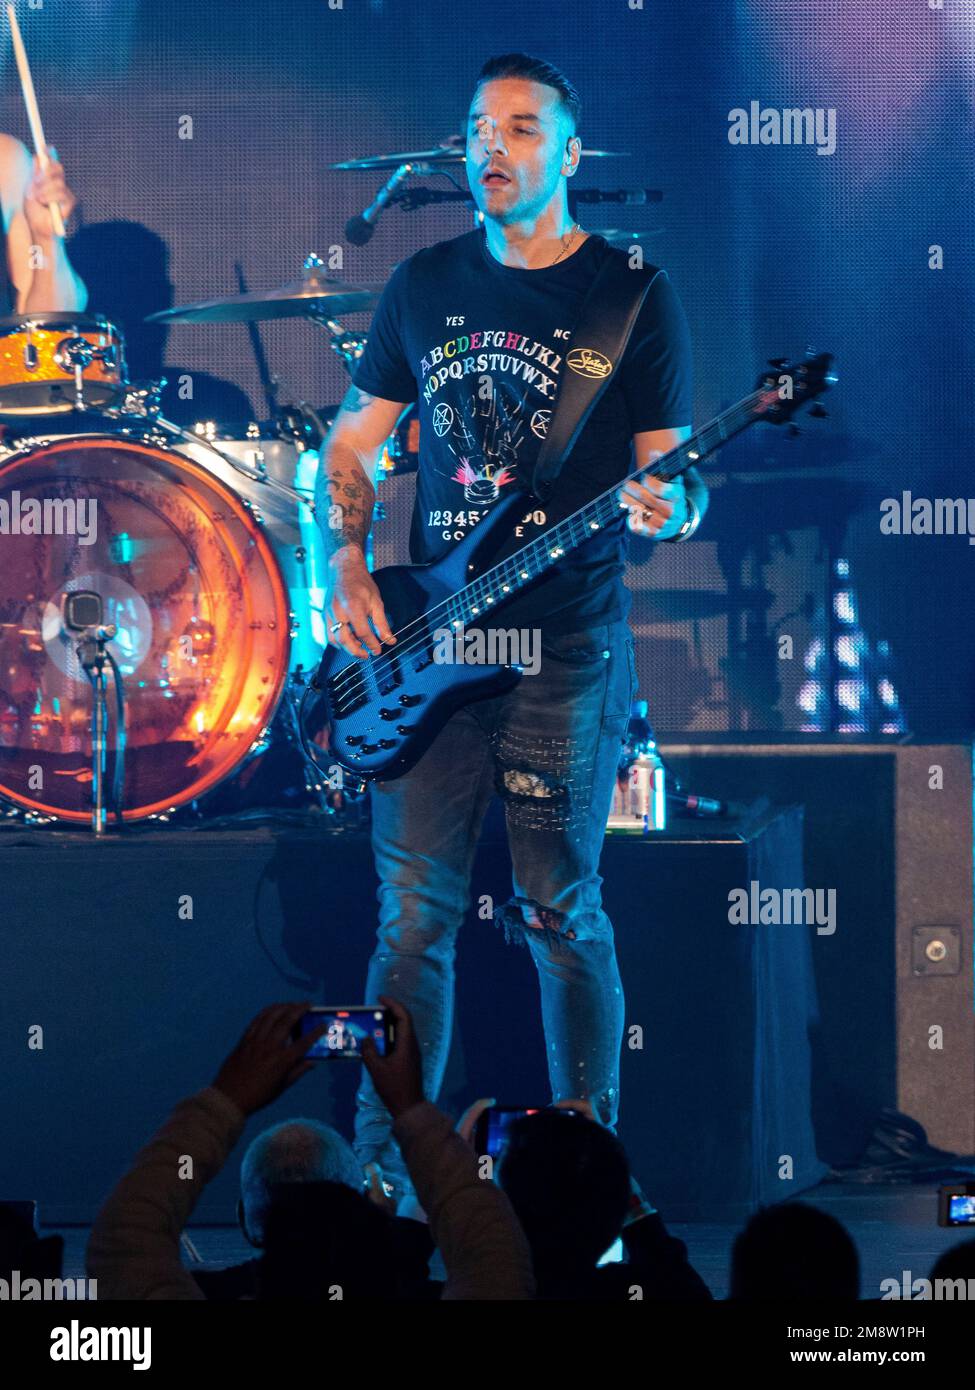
column 189, row 563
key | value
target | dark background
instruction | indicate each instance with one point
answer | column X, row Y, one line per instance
column 771, row 248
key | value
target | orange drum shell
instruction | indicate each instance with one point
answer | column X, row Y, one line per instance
column 46, row 385
column 247, row 622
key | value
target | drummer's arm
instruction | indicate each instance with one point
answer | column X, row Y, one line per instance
column 344, row 490
column 40, row 271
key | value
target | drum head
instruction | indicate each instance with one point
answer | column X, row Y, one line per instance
column 185, row 573
column 66, row 320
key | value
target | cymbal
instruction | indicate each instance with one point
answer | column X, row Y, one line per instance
column 313, row 296
column 450, row 152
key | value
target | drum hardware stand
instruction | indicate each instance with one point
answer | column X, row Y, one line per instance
column 346, row 345
column 256, row 475
column 143, row 399
column 349, row 347
column 301, row 424
column 76, row 355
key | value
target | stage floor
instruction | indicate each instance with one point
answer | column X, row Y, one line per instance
column 895, row 1229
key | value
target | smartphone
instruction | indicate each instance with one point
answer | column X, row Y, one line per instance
column 348, row 1028
column 491, row 1130
column 956, row 1204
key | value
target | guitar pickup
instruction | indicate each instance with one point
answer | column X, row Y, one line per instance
column 346, row 694
column 391, row 677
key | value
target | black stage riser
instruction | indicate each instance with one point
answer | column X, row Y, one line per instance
column 139, row 1004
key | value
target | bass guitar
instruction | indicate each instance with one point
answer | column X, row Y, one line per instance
column 384, row 711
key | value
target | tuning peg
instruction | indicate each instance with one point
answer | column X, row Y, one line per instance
column 818, row 411
column 776, row 362
column 793, row 430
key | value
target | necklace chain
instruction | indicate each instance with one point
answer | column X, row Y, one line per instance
column 567, row 243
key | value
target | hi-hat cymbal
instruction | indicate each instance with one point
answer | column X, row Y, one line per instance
column 313, row 296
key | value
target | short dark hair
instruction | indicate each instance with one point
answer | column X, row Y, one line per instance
column 317, row 1234
column 535, row 70
column 793, row 1250
column 569, row 1183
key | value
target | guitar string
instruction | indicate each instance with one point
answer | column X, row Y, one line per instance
column 355, row 674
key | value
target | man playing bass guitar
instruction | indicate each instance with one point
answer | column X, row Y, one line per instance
column 476, row 330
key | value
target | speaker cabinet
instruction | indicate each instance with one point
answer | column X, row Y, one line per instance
column 889, row 826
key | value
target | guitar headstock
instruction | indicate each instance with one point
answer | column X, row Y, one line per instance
column 786, row 388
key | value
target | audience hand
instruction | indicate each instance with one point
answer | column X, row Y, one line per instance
column 376, row 1191
column 267, row 1061
column 467, row 1123
column 397, row 1077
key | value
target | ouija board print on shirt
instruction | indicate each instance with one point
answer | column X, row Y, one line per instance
column 481, row 348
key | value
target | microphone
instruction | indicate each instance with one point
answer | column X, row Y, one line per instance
column 360, row 228
column 693, row 805
column 81, row 610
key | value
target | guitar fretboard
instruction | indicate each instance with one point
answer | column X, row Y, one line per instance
column 504, row 579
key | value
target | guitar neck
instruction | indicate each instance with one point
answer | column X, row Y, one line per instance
column 505, row 579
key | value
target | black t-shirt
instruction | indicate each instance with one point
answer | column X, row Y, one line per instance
column 480, row 347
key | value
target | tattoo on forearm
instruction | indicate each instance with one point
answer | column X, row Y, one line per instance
column 344, row 495
column 344, row 500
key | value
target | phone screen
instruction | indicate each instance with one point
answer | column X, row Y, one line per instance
column 961, row 1209
column 347, row 1031
column 493, row 1126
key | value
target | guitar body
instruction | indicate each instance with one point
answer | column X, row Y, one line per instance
column 383, row 713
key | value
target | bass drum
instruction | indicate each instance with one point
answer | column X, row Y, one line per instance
column 191, row 581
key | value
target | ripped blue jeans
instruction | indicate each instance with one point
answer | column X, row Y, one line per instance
column 550, row 748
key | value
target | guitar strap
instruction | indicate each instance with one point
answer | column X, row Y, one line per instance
column 606, row 319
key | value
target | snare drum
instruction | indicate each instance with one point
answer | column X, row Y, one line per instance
column 51, row 362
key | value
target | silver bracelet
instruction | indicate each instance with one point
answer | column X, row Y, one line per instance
column 692, row 522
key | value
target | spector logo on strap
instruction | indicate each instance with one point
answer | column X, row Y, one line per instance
column 589, row 362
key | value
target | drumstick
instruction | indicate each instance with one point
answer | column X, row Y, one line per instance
column 33, row 112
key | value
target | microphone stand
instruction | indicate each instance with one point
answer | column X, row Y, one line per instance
column 94, row 658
